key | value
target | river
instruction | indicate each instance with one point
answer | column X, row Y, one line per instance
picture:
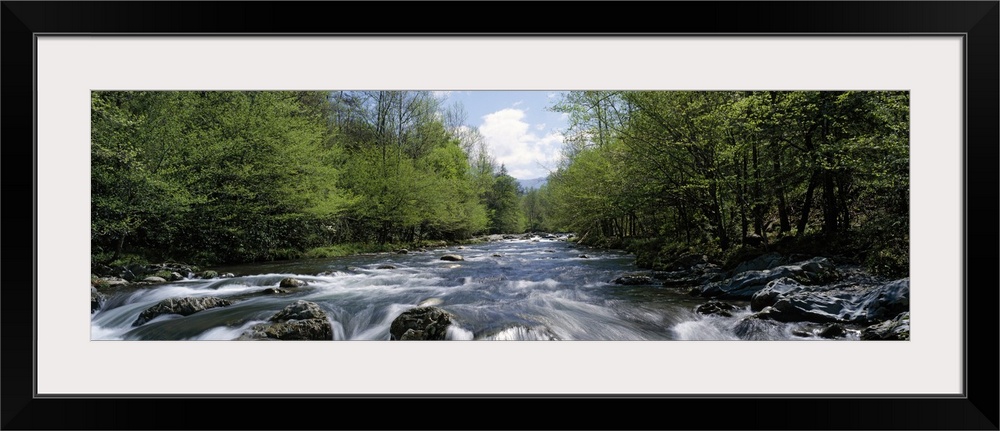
column 521, row 289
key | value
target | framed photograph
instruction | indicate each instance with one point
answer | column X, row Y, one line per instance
column 915, row 81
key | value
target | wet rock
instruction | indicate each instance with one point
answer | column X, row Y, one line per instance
column 898, row 328
column 845, row 304
column 452, row 258
column 756, row 327
column 421, row 323
column 301, row 330
column 887, row 302
column 810, row 306
column 386, row 266
column 299, row 310
column 169, row 271
column 770, row 294
column 183, row 306
column 291, row 282
column 583, row 256
column 745, row 284
column 168, row 275
column 104, row 282
column 273, row 291
column 717, row 308
column 301, row 320
column 402, row 251
column 152, row 279
column 207, row 274
column 835, row 330
column 97, row 299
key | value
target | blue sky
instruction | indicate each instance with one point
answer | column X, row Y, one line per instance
column 520, row 131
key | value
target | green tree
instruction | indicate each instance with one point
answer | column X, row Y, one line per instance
column 503, row 204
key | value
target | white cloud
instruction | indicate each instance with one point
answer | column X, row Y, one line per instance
column 524, row 152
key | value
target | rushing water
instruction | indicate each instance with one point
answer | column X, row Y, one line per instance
column 539, row 289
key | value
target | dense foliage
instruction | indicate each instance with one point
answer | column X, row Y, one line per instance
column 233, row 176
column 722, row 171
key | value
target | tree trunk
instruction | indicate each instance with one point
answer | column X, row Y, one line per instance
column 744, row 221
column 807, row 203
column 830, row 208
column 779, row 191
column 843, row 195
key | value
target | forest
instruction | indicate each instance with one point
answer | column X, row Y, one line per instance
column 724, row 172
column 211, row 177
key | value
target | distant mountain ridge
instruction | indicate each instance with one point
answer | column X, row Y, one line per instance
column 532, row 183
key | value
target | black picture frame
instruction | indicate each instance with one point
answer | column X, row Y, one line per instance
column 977, row 21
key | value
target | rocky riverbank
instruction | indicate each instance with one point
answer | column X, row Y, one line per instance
column 820, row 296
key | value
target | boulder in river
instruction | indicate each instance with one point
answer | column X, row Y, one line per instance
column 274, row 291
column 208, row 274
column 291, row 282
column 301, row 320
column 756, row 327
column 183, row 306
column 835, row 330
column 718, row 308
column 421, row 323
column 97, row 299
column 452, row 258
